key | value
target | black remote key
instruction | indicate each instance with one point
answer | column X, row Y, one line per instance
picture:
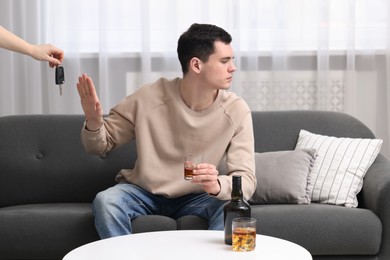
column 60, row 77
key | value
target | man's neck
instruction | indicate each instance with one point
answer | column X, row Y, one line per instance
column 196, row 96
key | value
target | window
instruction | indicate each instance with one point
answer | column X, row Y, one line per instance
column 134, row 26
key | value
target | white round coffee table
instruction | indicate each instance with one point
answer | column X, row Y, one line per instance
column 187, row 245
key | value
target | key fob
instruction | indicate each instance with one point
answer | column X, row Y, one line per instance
column 60, row 75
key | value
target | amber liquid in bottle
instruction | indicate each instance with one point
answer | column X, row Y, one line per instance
column 237, row 207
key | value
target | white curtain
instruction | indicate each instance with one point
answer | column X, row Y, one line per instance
column 291, row 54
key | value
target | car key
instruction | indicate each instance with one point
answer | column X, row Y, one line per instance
column 60, row 77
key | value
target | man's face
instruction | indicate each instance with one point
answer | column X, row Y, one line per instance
column 218, row 70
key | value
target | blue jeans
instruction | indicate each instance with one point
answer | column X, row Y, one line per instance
column 115, row 207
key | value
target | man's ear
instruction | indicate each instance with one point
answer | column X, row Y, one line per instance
column 195, row 64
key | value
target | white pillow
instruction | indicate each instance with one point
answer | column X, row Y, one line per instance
column 341, row 164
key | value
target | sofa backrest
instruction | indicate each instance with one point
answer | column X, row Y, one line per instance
column 42, row 159
column 279, row 130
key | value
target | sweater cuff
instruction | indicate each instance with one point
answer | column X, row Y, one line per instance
column 226, row 191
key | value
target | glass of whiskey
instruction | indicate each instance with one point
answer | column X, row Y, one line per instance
column 243, row 234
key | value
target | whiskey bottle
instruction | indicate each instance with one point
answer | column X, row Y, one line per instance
column 236, row 207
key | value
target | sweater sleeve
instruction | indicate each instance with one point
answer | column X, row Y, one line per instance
column 240, row 160
column 117, row 129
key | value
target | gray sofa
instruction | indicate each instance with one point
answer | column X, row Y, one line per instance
column 47, row 183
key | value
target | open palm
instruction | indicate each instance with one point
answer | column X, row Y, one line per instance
column 90, row 102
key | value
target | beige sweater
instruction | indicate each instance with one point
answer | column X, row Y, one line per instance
column 164, row 128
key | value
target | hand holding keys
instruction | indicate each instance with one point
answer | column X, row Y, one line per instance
column 60, row 77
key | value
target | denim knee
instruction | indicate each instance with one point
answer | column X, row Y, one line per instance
column 104, row 200
column 111, row 216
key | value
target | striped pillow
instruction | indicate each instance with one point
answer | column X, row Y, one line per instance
column 341, row 164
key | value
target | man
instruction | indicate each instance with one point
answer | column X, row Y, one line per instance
column 168, row 118
column 44, row 52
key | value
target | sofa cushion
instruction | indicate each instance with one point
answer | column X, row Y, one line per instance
column 192, row 222
column 150, row 223
column 339, row 169
column 45, row 231
column 322, row 229
column 282, row 176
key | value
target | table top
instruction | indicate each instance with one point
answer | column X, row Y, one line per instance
column 184, row 244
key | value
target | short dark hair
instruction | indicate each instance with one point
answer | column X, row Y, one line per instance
column 198, row 41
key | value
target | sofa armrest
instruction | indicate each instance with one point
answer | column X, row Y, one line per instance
column 376, row 186
column 376, row 197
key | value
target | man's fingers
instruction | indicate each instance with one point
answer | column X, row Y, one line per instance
column 85, row 86
column 90, row 87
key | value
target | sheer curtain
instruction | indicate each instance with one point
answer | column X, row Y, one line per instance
column 291, row 54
